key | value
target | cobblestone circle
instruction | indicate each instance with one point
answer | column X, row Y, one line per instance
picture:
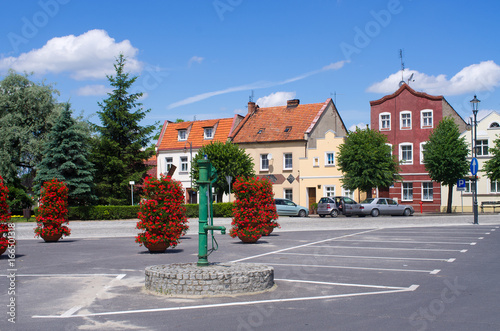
column 216, row 279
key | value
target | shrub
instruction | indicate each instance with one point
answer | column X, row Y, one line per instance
column 4, row 215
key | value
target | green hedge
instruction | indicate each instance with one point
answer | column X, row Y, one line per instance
column 223, row 209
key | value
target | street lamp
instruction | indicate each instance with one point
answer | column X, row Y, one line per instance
column 475, row 105
column 190, row 168
column 132, row 183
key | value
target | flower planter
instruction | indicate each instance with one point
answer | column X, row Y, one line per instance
column 268, row 230
column 51, row 238
column 158, row 247
column 249, row 239
column 2, row 250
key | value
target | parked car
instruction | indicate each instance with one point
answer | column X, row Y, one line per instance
column 285, row 207
column 336, row 205
column 384, row 206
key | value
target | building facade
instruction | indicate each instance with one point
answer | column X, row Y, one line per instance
column 407, row 117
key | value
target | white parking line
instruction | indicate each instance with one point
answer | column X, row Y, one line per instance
column 399, row 249
column 231, row 304
column 432, row 272
column 370, row 257
column 410, row 242
column 305, row 245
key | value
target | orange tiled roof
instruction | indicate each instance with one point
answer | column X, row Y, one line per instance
column 169, row 138
column 272, row 123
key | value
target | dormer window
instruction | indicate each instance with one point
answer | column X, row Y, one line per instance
column 260, row 131
column 494, row 125
column 209, row 133
column 182, row 135
column 288, row 129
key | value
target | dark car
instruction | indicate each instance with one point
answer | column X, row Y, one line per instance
column 285, row 207
column 384, row 206
column 336, row 205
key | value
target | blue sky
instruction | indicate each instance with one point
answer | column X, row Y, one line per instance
column 203, row 58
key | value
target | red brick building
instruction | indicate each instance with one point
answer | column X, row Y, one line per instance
column 407, row 117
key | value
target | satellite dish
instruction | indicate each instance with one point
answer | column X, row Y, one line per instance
column 269, row 156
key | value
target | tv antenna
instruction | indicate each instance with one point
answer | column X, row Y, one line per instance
column 402, row 68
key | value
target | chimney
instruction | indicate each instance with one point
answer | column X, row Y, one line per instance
column 251, row 107
column 292, row 103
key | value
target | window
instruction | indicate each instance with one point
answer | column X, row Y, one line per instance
column 482, row 147
column 427, row 191
column 316, row 162
column 260, row 131
column 329, row 159
column 209, row 133
column 287, row 161
column 422, row 148
column 426, row 118
column 182, row 135
column 468, row 186
column 329, row 191
column 385, row 121
column 264, row 162
column 405, row 120
column 494, row 125
column 287, row 194
column 406, row 153
column 495, row 186
column 184, row 163
column 169, row 162
column 288, row 129
column 407, row 192
column 347, row 193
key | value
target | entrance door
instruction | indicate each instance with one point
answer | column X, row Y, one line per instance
column 311, row 193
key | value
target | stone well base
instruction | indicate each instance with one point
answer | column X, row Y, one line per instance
column 216, row 279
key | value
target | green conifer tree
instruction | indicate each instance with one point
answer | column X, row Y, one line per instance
column 65, row 158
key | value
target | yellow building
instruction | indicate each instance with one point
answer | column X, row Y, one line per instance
column 295, row 146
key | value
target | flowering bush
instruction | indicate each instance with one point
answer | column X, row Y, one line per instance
column 4, row 215
column 162, row 213
column 53, row 210
column 254, row 210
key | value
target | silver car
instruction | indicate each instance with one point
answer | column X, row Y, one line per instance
column 384, row 206
column 337, row 205
column 285, row 207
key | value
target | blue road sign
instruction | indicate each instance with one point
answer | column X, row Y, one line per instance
column 461, row 185
column 474, row 165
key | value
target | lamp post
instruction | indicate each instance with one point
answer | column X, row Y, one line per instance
column 475, row 105
column 132, row 183
column 190, row 168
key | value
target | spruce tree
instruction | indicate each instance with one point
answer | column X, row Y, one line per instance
column 119, row 151
column 65, row 157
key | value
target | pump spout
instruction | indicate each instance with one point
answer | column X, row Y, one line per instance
column 212, row 227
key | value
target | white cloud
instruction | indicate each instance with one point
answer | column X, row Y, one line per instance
column 256, row 85
column 360, row 125
column 484, row 76
column 275, row 99
column 195, row 59
column 87, row 56
column 93, row 90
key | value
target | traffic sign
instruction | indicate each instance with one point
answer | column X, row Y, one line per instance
column 474, row 165
column 461, row 185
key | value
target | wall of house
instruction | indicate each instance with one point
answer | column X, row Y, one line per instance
column 329, row 121
column 276, row 165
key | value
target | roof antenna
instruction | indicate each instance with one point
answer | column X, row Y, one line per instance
column 402, row 68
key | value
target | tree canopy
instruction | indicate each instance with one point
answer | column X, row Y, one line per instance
column 27, row 113
column 492, row 166
column 229, row 160
column 119, row 150
column 65, row 157
column 366, row 161
column 445, row 155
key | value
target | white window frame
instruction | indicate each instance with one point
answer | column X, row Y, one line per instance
column 288, row 156
column 169, row 162
column 422, row 147
column 183, row 164
column 468, row 186
column 390, row 145
column 480, row 147
column 316, row 161
column 429, row 189
column 328, row 190
column 208, row 133
column 494, row 183
column 409, row 189
column 402, row 121
column 347, row 193
column 327, row 164
column 264, row 162
column 428, row 126
column 381, row 121
column 181, row 135
column 401, row 153
column 288, row 193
